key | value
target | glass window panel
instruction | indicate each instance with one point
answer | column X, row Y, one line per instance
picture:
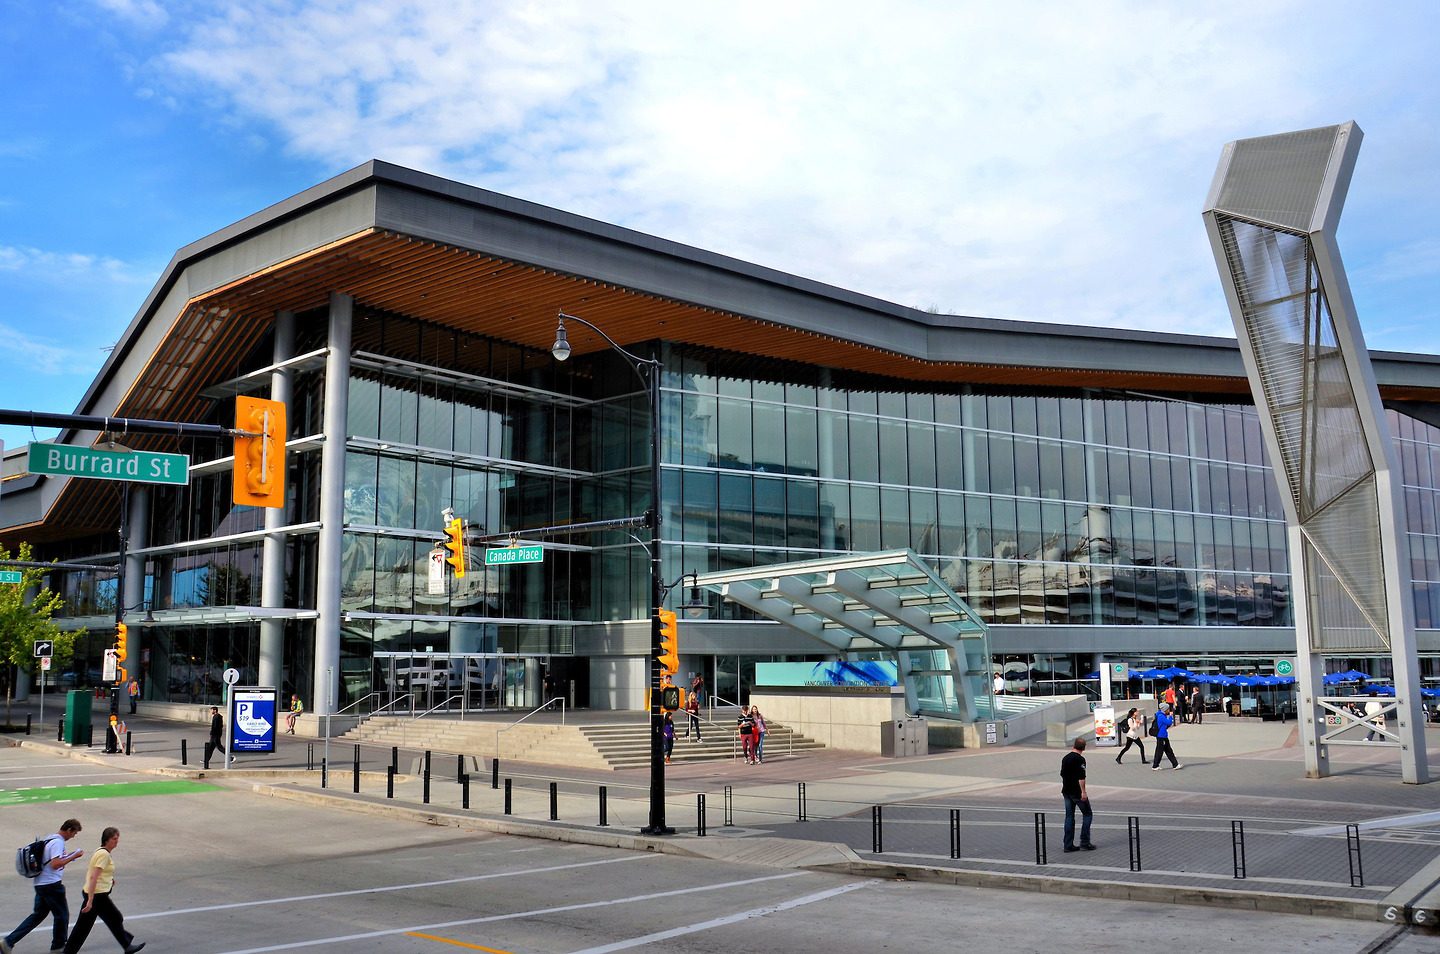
column 1029, row 536
column 1164, row 527
column 802, row 503
column 1408, row 471
column 864, row 402
column 1027, row 467
column 1254, row 445
column 395, row 493
column 1184, row 527
column 892, row 404
column 1002, row 463
column 865, row 518
column 361, row 478
column 833, row 399
column 1432, row 558
column 834, row 445
column 974, row 410
column 399, row 408
column 734, row 387
column 801, row 394
column 437, row 420
column 1234, row 436
column 864, row 448
column 769, row 438
column 1003, row 528
column 769, row 512
column 1122, row 531
column 363, row 416
column 1224, row 545
column 921, row 443
column 1143, row 534
column 952, row 525
column 801, row 441
column 1215, row 433
column 1219, row 489
column 1098, row 479
column 895, row 514
column 737, row 508
column 1047, row 418
column 699, row 426
column 1177, row 424
column 1140, row 481
column 835, row 516
column 1023, row 415
column 1077, row 530
column 947, row 409
column 1118, row 469
column 1052, row 476
column 977, row 460
column 1427, row 512
column 924, row 522
column 1160, row 487
column 772, row 391
column 1182, row 496
column 978, row 535
column 1072, row 418
column 733, row 442
column 893, row 468
column 920, row 407
column 1158, row 427
column 1239, row 491
column 1199, row 441
column 997, row 410
column 1137, row 426
column 949, row 461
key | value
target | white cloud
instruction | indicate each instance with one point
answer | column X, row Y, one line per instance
column 41, row 356
column 40, row 266
column 1044, row 161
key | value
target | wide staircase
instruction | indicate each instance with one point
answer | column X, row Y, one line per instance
column 612, row 745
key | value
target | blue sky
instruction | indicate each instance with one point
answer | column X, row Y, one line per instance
column 1045, row 161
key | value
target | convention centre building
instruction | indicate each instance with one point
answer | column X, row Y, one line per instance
column 1089, row 494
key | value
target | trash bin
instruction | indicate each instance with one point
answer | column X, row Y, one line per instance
column 904, row 737
column 77, row 717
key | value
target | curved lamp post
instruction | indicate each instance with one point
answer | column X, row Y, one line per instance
column 648, row 371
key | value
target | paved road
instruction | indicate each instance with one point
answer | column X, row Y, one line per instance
column 221, row 869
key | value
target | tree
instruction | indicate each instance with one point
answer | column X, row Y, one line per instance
column 25, row 611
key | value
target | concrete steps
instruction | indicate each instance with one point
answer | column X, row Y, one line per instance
column 614, row 746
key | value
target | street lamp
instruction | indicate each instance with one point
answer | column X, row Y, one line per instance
column 648, row 371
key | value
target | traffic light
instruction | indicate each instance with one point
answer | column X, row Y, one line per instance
column 669, row 642
column 122, row 642
column 259, row 475
column 455, row 543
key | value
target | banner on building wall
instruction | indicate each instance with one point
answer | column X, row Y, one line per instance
column 832, row 673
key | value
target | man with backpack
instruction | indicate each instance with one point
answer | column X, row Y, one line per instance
column 49, row 891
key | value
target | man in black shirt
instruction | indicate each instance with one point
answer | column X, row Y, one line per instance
column 1072, row 788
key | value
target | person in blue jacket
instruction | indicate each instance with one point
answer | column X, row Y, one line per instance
column 1163, row 721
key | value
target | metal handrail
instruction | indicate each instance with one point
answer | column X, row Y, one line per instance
column 357, row 702
column 540, row 708
column 443, row 705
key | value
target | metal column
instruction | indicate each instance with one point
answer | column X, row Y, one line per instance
column 332, row 506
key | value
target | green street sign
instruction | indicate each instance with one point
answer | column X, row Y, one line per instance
column 503, row 556
column 11, row 576
column 141, row 466
column 1284, row 667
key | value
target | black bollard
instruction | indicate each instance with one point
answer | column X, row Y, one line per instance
column 425, row 789
column 507, row 796
column 1134, row 826
column 800, row 803
column 700, row 815
column 1041, row 855
column 1352, row 846
column 465, row 792
column 604, row 812
column 395, row 757
column 324, row 772
column 877, row 840
column 954, row 833
column 28, row 717
column 356, row 787
column 729, row 808
column 459, row 767
column 184, row 756
column 554, row 801
column 389, row 781
column 1237, row 847
column 128, row 737
column 310, row 756
column 60, row 735
column 495, row 773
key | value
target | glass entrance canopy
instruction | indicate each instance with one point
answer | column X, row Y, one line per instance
column 878, row 605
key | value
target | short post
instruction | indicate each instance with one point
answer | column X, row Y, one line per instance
column 324, row 772
column 604, row 808
column 60, row 735
column 465, row 792
column 495, row 772
column 389, row 781
column 1352, row 844
column 729, row 808
column 425, row 787
column 1133, row 825
column 309, row 756
column 700, row 814
column 459, row 767
column 355, row 787
column 395, row 757
column 554, row 801
column 184, row 756
column 954, row 833
column 28, row 717
column 128, row 737
column 800, row 806
column 1237, row 846
column 507, row 796
column 1041, row 857
column 877, row 841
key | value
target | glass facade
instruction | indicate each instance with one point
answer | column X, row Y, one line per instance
column 1044, row 507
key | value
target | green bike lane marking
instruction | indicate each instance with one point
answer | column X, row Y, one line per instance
column 77, row 793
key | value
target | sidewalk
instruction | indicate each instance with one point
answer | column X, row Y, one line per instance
column 1234, row 769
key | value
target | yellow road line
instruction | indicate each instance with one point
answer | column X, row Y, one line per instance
column 446, row 940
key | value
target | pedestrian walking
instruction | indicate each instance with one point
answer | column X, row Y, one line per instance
column 217, row 737
column 49, row 891
column 1133, row 731
column 297, row 708
column 692, row 709
column 697, row 688
column 1072, row 789
column 134, row 690
column 745, row 728
column 760, row 730
column 99, row 883
column 1375, row 715
column 1163, row 721
column 667, row 732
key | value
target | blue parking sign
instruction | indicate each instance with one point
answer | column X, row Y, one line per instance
column 252, row 722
